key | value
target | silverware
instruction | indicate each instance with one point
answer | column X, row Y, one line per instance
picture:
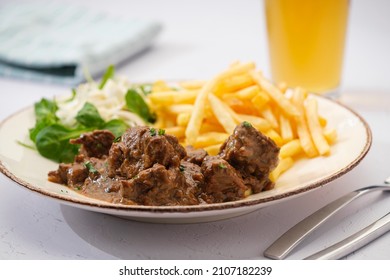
column 355, row 241
column 295, row 235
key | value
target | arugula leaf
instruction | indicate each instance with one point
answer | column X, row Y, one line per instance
column 89, row 116
column 45, row 108
column 109, row 74
column 117, row 127
column 53, row 143
column 45, row 114
column 137, row 105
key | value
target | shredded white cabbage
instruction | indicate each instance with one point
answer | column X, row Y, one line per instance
column 109, row 101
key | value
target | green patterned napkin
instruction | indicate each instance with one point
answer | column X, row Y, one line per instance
column 56, row 43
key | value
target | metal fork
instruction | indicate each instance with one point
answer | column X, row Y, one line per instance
column 295, row 235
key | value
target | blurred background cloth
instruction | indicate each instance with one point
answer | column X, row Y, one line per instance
column 59, row 43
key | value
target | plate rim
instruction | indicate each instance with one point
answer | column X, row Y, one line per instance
column 205, row 208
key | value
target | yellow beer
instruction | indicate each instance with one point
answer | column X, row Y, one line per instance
column 306, row 42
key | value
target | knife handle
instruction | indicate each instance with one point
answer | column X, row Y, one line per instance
column 355, row 241
column 289, row 240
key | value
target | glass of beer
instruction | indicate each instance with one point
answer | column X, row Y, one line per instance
column 306, row 41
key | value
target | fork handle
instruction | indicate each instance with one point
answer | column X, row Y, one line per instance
column 289, row 240
column 354, row 241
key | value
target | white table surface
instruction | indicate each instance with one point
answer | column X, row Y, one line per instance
column 200, row 38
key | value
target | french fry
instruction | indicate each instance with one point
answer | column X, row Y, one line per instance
column 177, row 131
column 170, row 120
column 195, row 122
column 242, row 107
column 232, row 97
column 248, row 192
column 302, row 127
column 232, row 100
column 291, row 149
column 235, row 70
column 267, row 114
column 283, row 166
column 212, row 150
column 276, row 95
column 235, row 83
column 182, row 119
column 211, row 127
column 185, row 96
column 210, row 139
column 322, row 121
column 274, row 135
column 235, row 115
column 161, row 120
column 170, row 97
column 161, row 98
column 192, row 85
column 209, row 117
column 160, row 85
column 286, row 130
column 248, row 92
column 224, row 117
column 315, row 127
column 260, row 100
column 283, row 87
column 330, row 135
column 180, row 108
column 257, row 122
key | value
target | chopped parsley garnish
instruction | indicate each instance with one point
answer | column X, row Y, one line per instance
column 152, row 131
column 247, row 124
column 181, row 168
column 90, row 167
column 222, row 166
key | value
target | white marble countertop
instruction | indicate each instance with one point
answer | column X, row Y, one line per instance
column 199, row 39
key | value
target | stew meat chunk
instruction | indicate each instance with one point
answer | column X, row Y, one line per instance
column 147, row 167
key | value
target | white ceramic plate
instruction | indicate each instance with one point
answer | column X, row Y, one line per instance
column 29, row 169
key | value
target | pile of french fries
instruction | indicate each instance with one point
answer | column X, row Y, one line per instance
column 204, row 113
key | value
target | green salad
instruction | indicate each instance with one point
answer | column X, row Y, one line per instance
column 113, row 104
